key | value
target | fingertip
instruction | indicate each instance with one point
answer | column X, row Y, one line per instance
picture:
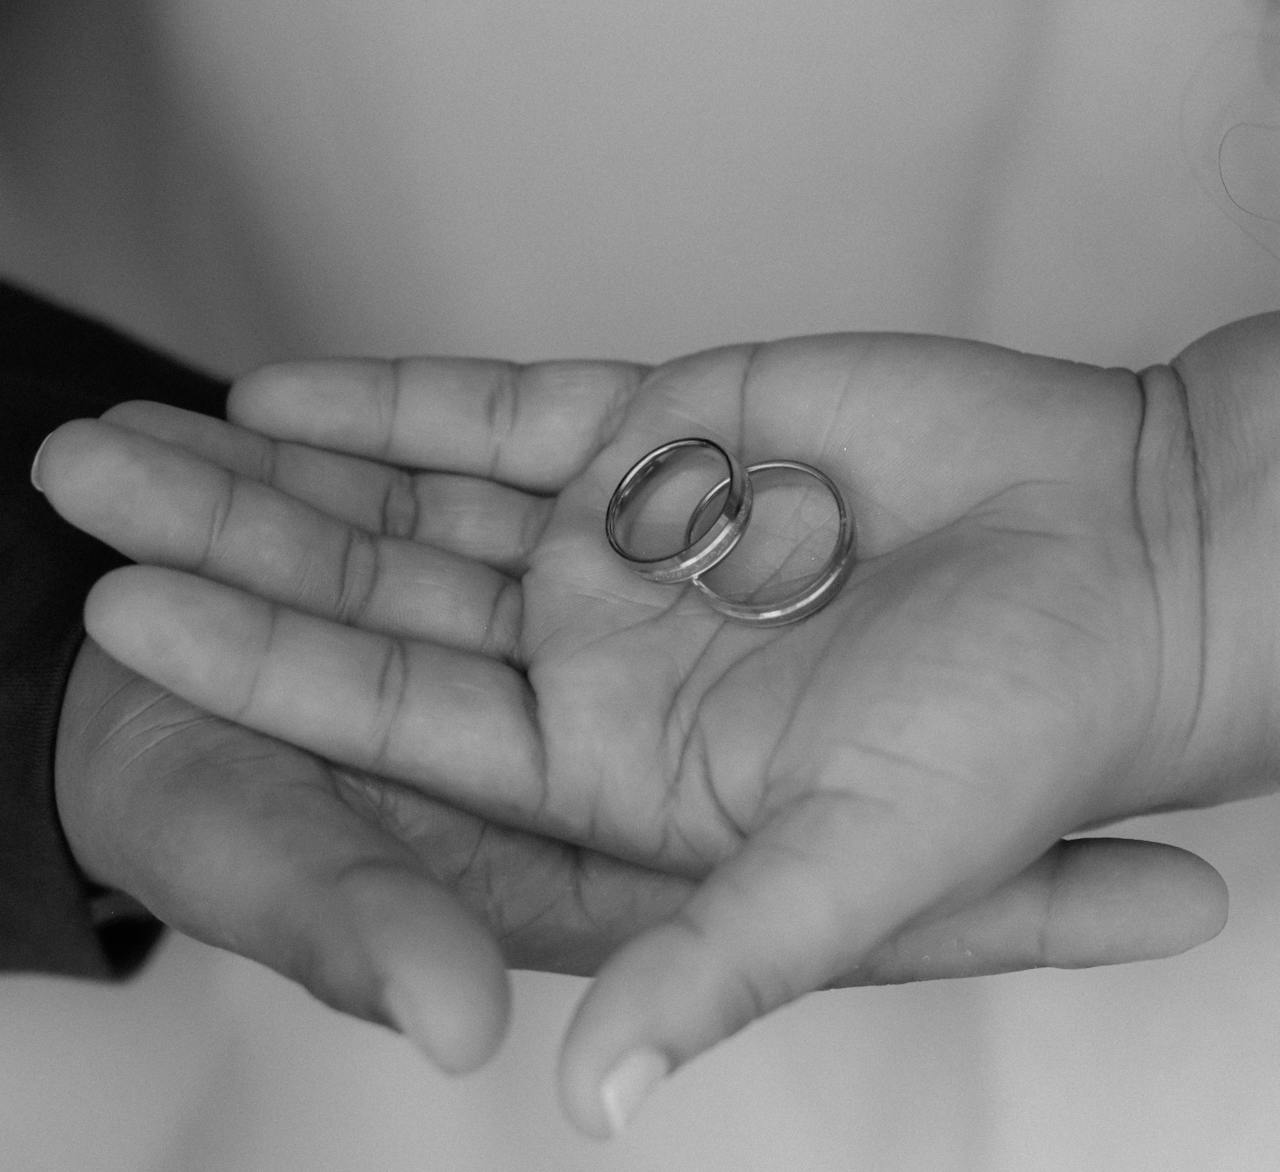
column 36, row 475
column 120, row 615
column 66, row 463
column 133, row 590
column 110, row 599
column 137, row 414
column 602, row 1087
column 660, row 1001
column 457, row 1025
column 251, row 395
column 283, row 399
column 1174, row 901
column 192, row 636
column 1215, row 908
column 770, row 924
column 628, row 1083
column 603, row 1062
column 135, row 491
column 1117, row 900
column 443, row 982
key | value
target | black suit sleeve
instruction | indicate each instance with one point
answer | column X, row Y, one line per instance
column 54, row 366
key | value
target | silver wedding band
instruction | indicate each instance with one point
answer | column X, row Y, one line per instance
column 703, row 553
column 809, row 599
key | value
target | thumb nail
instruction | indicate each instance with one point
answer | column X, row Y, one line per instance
column 628, row 1084
column 35, row 465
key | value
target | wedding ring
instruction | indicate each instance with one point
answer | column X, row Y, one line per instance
column 702, row 552
column 820, row 590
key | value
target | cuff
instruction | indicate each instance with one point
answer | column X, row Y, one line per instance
column 56, row 366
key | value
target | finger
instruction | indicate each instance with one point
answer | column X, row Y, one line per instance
column 532, row 427
column 463, row 724
column 237, row 841
column 778, row 920
column 468, row 516
column 158, row 503
column 1086, row 902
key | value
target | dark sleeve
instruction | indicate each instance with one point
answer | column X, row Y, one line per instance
column 56, row 366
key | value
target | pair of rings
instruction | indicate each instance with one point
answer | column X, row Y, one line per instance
column 705, row 548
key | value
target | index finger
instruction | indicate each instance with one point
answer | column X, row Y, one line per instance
column 533, row 427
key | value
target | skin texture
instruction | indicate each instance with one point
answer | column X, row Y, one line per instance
column 1052, row 624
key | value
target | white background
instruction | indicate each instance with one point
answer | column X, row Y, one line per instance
column 254, row 179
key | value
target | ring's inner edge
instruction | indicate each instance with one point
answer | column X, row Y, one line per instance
column 645, row 475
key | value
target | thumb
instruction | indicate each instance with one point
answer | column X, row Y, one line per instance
column 246, row 843
column 783, row 918
column 776, row 920
column 386, row 943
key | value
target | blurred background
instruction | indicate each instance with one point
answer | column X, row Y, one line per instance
column 250, row 180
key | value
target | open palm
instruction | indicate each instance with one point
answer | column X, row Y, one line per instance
column 417, row 585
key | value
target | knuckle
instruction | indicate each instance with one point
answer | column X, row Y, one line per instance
column 401, row 505
column 358, row 576
column 268, row 463
column 218, row 524
column 389, row 699
column 506, row 616
column 502, row 408
column 391, row 389
column 533, row 523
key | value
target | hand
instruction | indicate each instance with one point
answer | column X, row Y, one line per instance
column 391, row 913
column 877, row 792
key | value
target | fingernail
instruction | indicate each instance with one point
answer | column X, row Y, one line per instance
column 628, row 1084
column 35, row 465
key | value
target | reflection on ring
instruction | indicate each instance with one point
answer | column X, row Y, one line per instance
column 703, row 551
column 813, row 596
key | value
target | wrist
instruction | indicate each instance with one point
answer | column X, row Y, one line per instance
column 1229, row 386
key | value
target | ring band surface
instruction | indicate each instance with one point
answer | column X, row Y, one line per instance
column 809, row 599
column 699, row 554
